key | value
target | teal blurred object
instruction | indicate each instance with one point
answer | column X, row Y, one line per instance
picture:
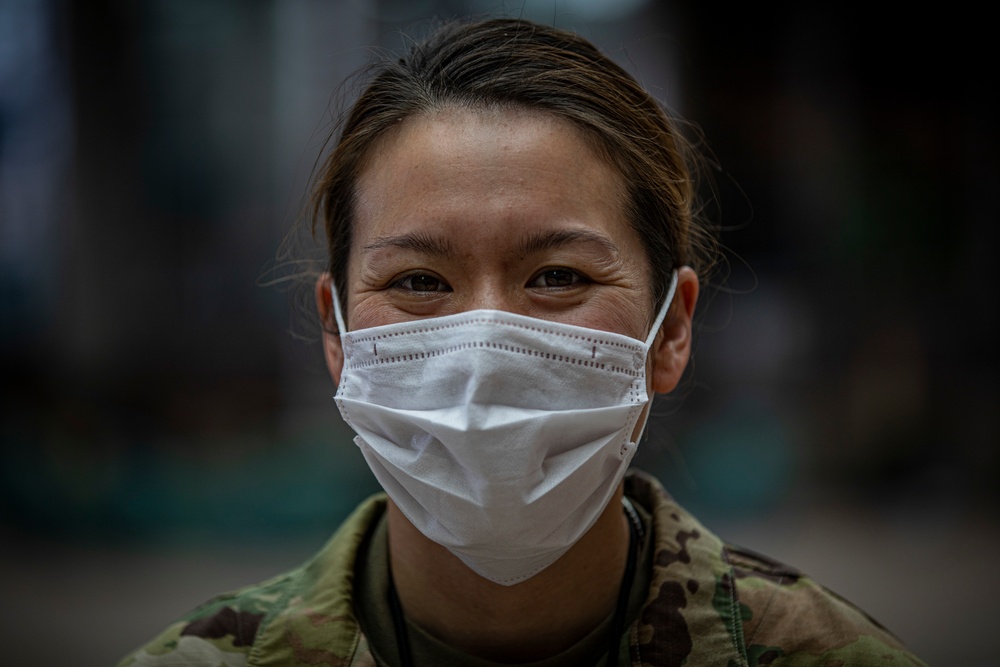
column 736, row 464
column 302, row 488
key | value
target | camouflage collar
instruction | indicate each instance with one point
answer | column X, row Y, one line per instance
column 691, row 612
column 315, row 622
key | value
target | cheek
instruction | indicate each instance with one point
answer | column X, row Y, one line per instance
column 367, row 312
column 619, row 313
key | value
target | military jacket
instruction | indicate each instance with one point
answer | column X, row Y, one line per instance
column 708, row 603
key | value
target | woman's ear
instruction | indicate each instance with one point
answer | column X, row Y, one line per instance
column 332, row 350
column 672, row 347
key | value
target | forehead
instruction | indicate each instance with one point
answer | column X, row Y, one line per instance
column 503, row 169
column 457, row 142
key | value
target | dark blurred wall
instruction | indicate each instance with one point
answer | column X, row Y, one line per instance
column 860, row 153
column 139, row 346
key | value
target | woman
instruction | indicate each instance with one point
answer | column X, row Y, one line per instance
column 514, row 268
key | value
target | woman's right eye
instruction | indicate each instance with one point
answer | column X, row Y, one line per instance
column 422, row 282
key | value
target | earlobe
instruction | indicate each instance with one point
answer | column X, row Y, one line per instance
column 672, row 347
column 332, row 350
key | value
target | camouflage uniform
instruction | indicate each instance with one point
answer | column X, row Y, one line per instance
column 708, row 604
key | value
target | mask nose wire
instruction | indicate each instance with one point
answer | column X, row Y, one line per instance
column 341, row 327
column 661, row 315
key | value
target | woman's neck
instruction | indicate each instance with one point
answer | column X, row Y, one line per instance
column 529, row 621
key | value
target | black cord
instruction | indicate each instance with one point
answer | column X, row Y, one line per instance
column 399, row 623
column 625, row 590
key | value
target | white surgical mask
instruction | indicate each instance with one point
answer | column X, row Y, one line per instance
column 499, row 436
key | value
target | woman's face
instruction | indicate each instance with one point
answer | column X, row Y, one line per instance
column 464, row 209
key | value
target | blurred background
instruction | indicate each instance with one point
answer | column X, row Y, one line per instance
column 168, row 429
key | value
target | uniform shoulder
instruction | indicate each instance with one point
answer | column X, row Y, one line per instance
column 219, row 632
column 224, row 630
column 790, row 619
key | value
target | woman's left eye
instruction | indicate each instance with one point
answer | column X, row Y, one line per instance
column 556, row 278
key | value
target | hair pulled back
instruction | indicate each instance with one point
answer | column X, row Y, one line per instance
column 514, row 63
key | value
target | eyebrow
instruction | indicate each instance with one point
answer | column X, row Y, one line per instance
column 423, row 243
column 532, row 243
column 547, row 240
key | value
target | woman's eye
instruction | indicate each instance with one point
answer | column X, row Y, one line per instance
column 422, row 282
column 556, row 278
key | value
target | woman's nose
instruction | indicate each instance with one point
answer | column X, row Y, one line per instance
column 495, row 298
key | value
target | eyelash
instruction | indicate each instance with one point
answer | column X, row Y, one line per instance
column 400, row 284
column 576, row 277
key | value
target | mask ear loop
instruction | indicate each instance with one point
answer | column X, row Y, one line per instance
column 341, row 327
column 657, row 323
column 662, row 315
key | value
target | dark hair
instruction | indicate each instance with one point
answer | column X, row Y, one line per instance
column 515, row 63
